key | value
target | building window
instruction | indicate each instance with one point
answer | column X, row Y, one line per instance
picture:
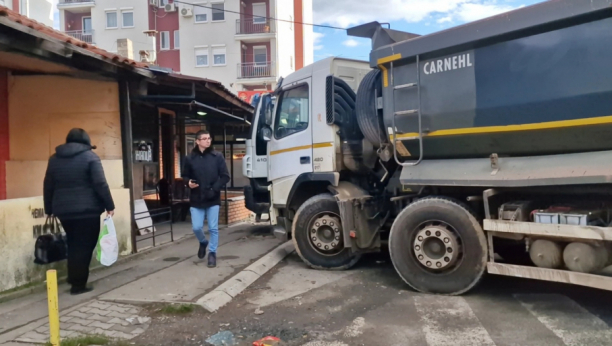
column 87, row 27
column 200, row 14
column 201, row 55
column 165, row 40
column 176, row 40
column 162, row 3
column 111, row 20
column 218, row 12
column 219, row 56
column 259, row 13
column 260, row 55
column 128, row 19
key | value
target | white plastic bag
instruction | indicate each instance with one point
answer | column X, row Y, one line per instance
column 108, row 246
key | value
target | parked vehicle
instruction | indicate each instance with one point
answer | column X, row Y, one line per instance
column 481, row 148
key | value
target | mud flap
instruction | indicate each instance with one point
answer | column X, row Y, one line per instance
column 361, row 219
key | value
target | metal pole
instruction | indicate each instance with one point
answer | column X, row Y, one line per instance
column 224, row 152
column 54, row 322
column 128, row 162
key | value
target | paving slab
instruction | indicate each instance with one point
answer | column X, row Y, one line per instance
column 25, row 312
column 190, row 279
column 93, row 325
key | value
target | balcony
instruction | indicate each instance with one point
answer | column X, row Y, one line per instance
column 254, row 26
column 256, row 70
column 85, row 36
column 74, row 4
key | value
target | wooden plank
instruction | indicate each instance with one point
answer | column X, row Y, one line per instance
column 549, row 230
column 564, row 276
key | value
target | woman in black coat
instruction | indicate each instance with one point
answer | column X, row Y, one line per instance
column 76, row 192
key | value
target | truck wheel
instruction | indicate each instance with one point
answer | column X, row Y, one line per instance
column 317, row 235
column 438, row 246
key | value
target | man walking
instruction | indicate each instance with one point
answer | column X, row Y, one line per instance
column 206, row 172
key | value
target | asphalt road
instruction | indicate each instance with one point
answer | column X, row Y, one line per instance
column 370, row 305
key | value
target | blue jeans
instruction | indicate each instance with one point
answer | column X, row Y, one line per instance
column 197, row 222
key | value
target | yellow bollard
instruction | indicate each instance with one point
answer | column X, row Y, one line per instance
column 54, row 322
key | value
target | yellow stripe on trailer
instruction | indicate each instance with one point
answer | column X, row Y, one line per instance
column 510, row 128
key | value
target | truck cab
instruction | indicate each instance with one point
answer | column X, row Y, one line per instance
column 302, row 154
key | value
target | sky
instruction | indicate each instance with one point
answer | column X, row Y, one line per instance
column 415, row 16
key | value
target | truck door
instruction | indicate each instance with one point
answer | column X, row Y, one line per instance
column 255, row 162
column 290, row 149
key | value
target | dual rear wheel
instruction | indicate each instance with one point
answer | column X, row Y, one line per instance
column 436, row 244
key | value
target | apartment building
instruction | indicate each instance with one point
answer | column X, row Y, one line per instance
column 232, row 41
column 39, row 10
column 105, row 22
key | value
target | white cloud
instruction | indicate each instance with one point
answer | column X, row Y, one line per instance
column 317, row 37
column 351, row 43
column 446, row 19
column 472, row 12
column 347, row 13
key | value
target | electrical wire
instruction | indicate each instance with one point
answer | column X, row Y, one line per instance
column 255, row 16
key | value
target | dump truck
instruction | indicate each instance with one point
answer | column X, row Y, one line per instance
column 482, row 148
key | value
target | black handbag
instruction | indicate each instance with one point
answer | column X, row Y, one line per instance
column 51, row 246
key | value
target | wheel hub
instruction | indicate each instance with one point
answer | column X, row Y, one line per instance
column 436, row 247
column 326, row 234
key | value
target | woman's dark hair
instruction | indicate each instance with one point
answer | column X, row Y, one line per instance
column 78, row 136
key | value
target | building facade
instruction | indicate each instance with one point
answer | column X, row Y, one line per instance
column 39, row 10
column 245, row 44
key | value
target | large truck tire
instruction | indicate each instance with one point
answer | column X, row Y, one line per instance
column 317, row 235
column 438, row 246
column 368, row 118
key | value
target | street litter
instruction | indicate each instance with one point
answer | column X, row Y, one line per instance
column 258, row 311
column 224, row 338
column 267, row 341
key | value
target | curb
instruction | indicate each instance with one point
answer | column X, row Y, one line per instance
column 228, row 290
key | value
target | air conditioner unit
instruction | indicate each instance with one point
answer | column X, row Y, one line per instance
column 186, row 12
column 154, row 3
column 170, row 7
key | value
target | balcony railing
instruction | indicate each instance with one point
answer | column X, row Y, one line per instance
column 85, row 36
column 256, row 70
column 254, row 26
column 74, row 1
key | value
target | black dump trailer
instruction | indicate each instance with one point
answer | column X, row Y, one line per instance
column 534, row 81
column 496, row 135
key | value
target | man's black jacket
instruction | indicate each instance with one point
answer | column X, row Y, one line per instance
column 209, row 170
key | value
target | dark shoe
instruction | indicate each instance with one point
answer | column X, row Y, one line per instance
column 80, row 290
column 202, row 250
column 212, row 260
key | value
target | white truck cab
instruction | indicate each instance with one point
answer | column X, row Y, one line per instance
column 302, row 147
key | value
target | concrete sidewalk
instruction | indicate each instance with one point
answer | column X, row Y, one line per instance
column 170, row 273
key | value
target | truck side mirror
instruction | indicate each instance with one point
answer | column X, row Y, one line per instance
column 266, row 133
